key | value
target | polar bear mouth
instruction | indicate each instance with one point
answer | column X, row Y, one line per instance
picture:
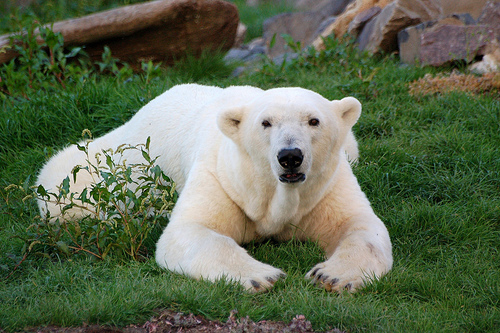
column 292, row 177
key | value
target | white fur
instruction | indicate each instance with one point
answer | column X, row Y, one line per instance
column 212, row 143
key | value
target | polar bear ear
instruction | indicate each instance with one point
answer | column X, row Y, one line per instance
column 349, row 109
column 229, row 122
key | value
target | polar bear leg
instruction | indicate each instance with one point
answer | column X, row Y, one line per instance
column 362, row 252
column 351, row 148
column 199, row 252
column 199, row 240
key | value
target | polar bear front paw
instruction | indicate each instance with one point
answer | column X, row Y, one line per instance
column 263, row 281
column 333, row 280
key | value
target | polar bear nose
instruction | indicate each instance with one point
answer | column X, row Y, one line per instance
column 290, row 158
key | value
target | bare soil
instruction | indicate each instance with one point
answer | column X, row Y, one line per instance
column 169, row 321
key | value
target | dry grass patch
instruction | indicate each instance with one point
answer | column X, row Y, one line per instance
column 441, row 83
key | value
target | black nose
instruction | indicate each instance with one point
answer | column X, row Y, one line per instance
column 290, row 158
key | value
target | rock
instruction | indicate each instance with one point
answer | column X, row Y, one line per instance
column 491, row 59
column 241, row 33
column 336, row 6
column 437, row 43
column 301, row 26
column 327, row 7
column 472, row 7
column 490, row 16
column 489, row 64
column 325, row 24
column 380, row 34
column 359, row 21
column 341, row 24
column 157, row 30
column 248, row 52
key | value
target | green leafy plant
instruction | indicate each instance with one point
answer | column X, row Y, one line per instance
column 122, row 208
column 109, row 64
column 42, row 61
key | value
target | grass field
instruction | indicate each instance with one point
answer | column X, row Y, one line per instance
column 430, row 165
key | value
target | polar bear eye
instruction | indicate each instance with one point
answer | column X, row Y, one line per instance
column 266, row 124
column 313, row 122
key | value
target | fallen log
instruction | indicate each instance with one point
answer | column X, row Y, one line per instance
column 161, row 30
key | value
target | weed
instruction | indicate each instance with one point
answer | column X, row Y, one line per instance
column 42, row 61
column 125, row 204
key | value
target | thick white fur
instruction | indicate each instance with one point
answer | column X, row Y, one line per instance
column 212, row 143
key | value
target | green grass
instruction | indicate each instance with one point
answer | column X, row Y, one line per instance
column 430, row 166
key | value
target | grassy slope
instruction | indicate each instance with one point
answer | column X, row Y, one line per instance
column 429, row 165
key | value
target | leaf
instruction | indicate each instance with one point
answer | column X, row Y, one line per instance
column 63, row 247
column 65, row 186
column 41, row 191
column 109, row 161
column 67, row 207
column 272, row 42
column 75, row 171
column 74, row 51
column 146, row 156
column 83, row 196
column 105, row 175
column 128, row 175
column 80, row 147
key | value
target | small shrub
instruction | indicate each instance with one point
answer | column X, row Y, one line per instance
column 43, row 63
column 125, row 205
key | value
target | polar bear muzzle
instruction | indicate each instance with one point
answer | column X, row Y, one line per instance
column 291, row 160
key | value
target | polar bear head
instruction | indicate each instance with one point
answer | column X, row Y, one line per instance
column 294, row 132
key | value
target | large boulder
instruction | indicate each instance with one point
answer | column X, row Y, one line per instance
column 491, row 59
column 359, row 21
column 471, row 7
column 380, row 34
column 340, row 26
column 159, row 30
column 437, row 43
column 300, row 5
column 458, row 37
column 490, row 16
column 300, row 26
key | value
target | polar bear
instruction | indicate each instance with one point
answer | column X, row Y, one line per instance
column 251, row 164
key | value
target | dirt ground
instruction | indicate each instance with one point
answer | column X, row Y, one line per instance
column 169, row 321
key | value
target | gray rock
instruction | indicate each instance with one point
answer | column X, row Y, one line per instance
column 490, row 16
column 472, row 7
column 381, row 32
column 331, row 7
column 437, row 43
column 326, row 22
column 359, row 21
column 285, row 57
column 325, row 7
column 247, row 53
column 302, row 27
